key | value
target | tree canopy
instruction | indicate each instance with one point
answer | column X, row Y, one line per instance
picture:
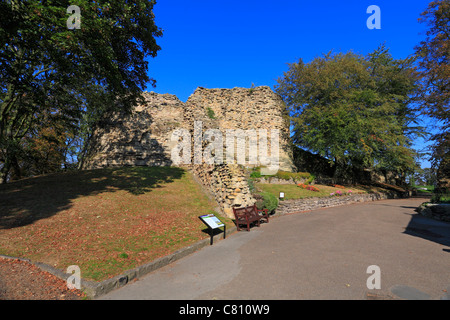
column 433, row 56
column 60, row 80
column 354, row 110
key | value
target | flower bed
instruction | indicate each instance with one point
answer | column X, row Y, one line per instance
column 341, row 193
column 308, row 187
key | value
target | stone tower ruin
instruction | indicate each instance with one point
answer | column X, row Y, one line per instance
column 144, row 137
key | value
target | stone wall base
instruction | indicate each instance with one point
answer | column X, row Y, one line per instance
column 437, row 211
column 301, row 205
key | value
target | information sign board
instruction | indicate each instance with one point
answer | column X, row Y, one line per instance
column 213, row 223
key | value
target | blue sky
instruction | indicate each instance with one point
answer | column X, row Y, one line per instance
column 226, row 44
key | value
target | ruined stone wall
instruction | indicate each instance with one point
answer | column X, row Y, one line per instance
column 139, row 139
column 237, row 108
column 243, row 108
column 227, row 183
column 144, row 137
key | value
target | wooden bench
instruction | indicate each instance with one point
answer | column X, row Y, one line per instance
column 248, row 215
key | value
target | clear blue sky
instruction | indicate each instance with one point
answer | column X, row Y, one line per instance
column 226, row 44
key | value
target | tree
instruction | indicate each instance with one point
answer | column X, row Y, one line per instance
column 49, row 70
column 44, row 150
column 353, row 110
column 429, row 176
column 433, row 55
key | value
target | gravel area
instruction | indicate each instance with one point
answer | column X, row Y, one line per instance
column 20, row 280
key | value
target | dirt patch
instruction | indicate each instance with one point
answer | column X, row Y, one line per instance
column 20, row 280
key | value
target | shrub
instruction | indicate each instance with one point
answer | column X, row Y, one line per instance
column 440, row 198
column 256, row 173
column 311, row 179
column 268, row 201
column 210, row 113
column 284, row 175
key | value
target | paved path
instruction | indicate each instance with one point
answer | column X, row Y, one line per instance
column 323, row 254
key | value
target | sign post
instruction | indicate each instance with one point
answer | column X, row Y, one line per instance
column 212, row 222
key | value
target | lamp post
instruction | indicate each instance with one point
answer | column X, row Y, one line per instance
column 281, row 196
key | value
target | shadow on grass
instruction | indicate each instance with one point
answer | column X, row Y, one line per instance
column 25, row 201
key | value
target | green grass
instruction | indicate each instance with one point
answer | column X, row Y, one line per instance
column 105, row 221
column 445, row 199
column 429, row 189
column 440, row 198
column 292, row 191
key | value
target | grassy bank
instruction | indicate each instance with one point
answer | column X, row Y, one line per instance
column 293, row 191
column 105, row 221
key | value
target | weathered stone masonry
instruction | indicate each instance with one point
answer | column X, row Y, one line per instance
column 139, row 139
column 144, row 137
column 304, row 205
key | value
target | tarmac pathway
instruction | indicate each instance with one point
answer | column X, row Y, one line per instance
column 322, row 254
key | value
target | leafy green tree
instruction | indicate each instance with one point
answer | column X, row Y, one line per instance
column 429, row 176
column 353, row 110
column 69, row 75
column 433, row 55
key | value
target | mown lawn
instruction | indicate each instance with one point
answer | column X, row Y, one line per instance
column 292, row 191
column 426, row 189
column 105, row 221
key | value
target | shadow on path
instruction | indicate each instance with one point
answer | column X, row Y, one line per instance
column 429, row 229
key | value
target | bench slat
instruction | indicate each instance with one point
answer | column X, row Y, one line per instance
column 248, row 215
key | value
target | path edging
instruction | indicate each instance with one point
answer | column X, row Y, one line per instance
column 292, row 206
column 95, row 289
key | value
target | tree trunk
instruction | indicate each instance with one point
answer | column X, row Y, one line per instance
column 5, row 171
column 16, row 170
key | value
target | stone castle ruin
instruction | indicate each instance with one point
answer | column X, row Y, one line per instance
column 145, row 137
